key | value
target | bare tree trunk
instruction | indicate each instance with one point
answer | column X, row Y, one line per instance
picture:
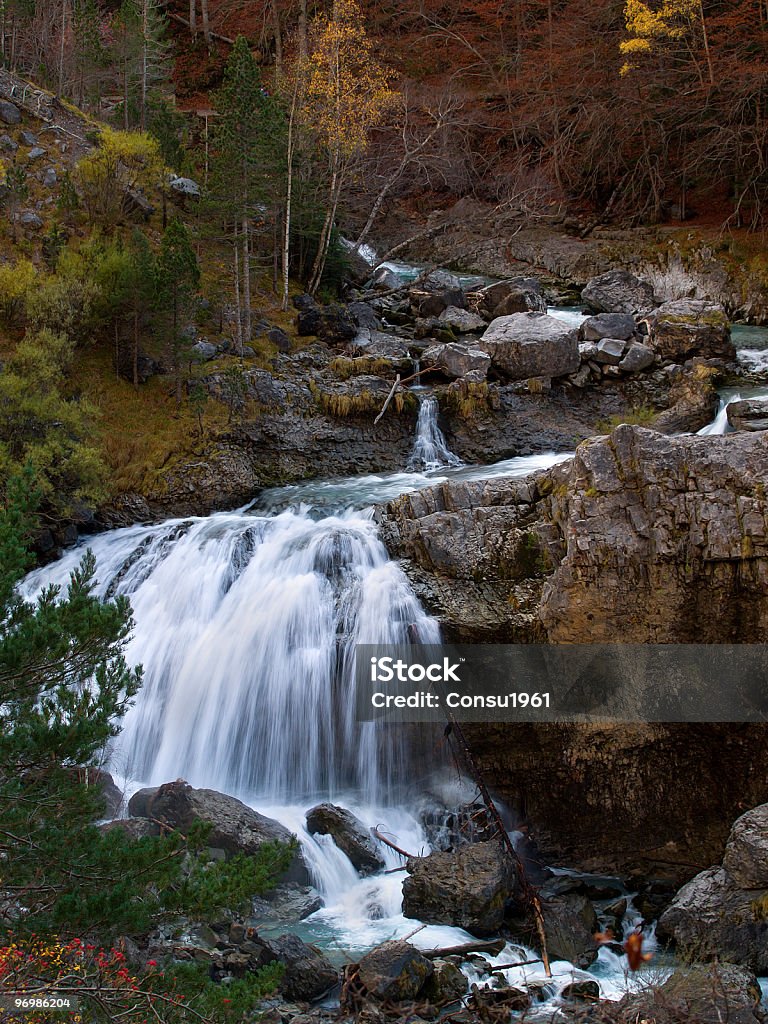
column 325, row 235
column 288, row 199
column 247, row 280
column 206, row 23
column 144, row 61
column 303, row 49
column 136, row 349
column 238, row 303
column 705, row 35
column 193, row 18
column 278, row 34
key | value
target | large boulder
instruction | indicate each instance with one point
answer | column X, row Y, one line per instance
column 468, row 887
column 439, row 291
column 9, row 112
column 286, row 902
column 527, row 345
column 704, row 993
column 746, row 852
column 750, row 414
column 456, row 360
column 609, row 325
column 236, row 828
column 515, row 295
column 690, row 327
column 394, row 972
column 637, row 357
column 714, row 917
column 308, row 973
column 570, row 924
column 462, row 321
column 349, row 833
column 380, row 345
column 332, row 323
column 618, row 291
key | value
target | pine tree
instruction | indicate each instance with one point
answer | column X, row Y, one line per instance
column 177, row 279
column 248, row 166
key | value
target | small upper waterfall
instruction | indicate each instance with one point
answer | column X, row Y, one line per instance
column 719, row 424
column 246, row 626
column 430, row 450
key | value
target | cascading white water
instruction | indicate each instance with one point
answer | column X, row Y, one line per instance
column 247, row 628
column 430, row 451
column 719, row 424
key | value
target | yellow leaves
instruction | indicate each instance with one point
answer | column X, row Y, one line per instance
column 671, row 20
column 346, row 89
column 122, row 161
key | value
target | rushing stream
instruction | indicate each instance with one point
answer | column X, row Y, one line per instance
column 246, row 625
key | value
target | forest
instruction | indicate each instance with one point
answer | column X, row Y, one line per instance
column 195, row 197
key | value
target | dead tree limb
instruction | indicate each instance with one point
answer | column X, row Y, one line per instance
column 383, row 410
column 529, row 892
column 185, row 23
column 391, row 845
column 494, row 947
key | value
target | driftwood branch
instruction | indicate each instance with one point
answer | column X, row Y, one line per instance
column 391, row 845
column 494, row 947
column 383, row 410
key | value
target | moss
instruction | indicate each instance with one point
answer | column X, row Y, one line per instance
column 639, row 416
column 759, row 907
column 346, row 367
column 467, row 398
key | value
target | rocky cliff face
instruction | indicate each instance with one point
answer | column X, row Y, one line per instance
column 640, row 538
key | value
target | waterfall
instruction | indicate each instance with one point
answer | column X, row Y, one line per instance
column 430, row 450
column 246, row 626
column 719, row 424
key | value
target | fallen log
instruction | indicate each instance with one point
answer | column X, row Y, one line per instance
column 494, row 947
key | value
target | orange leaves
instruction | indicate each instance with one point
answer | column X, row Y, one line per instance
column 633, row 947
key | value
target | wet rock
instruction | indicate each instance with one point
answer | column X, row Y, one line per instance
column 531, row 345
column 394, row 972
column 349, row 834
column 638, row 357
column 751, row 414
column 468, row 887
column 446, row 984
column 707, row 994
column 438, row 292
column 456, row 360
column 690, row 327
column 462, row 321
column 308, row 974
column 287, row 902
column 609, row 325
column 498, row 1003
column 236, row 828
column 609, row 351
column 746, row 852
column 716, row 918
column 618, row 291
column 569, row 924
column 515, row 295
column 9, row 112
column 582, row 992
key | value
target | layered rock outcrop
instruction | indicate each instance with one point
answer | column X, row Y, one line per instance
column 640, row 538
